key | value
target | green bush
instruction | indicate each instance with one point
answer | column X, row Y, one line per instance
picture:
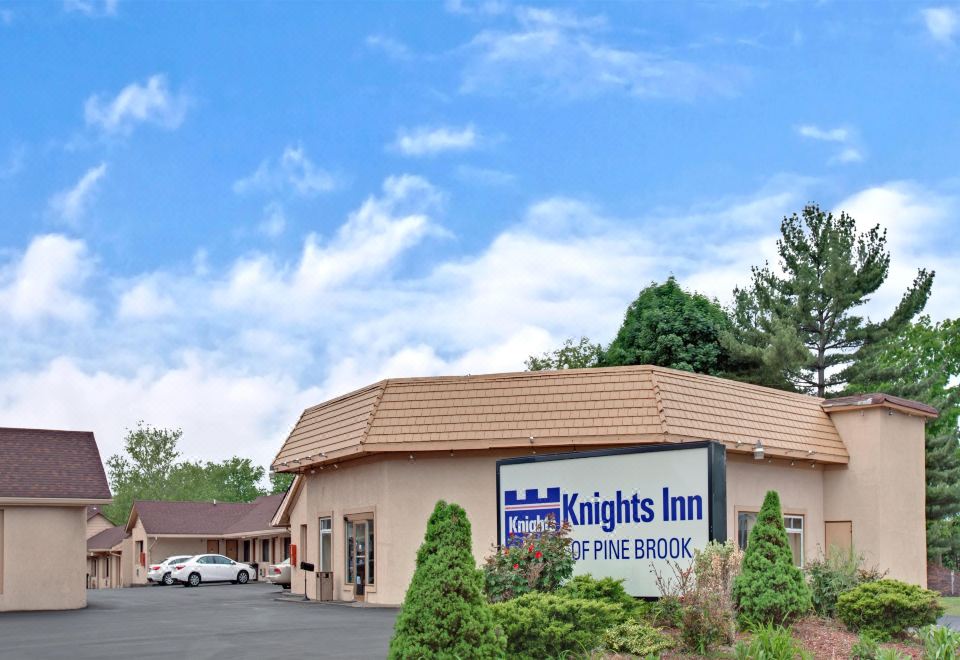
column 539, row 625
column 539, row 561
column 891, row 654
column 887, row 607
column 940, row 643
column 830, row 576
column 636, row 638
column 444, row 613
column 770, row 589
column 607, row 589
column 770, row 642
column 866, row 648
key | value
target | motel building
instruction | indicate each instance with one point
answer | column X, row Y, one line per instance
column 647, row 463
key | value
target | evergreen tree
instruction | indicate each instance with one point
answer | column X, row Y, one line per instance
column 670, row 327
column 770, row 589
column 802, row 324
column 444, row 613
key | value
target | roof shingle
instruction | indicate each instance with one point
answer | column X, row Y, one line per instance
column 37, row 463
column 107, row 539
column 207, row 518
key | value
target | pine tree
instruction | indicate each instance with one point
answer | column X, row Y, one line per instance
column 770, row 589
column 444, row 613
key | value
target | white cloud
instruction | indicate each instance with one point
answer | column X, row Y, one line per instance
column 432, row 140
column 293, row 172
column 71, row 204
column 941, row 23
column 843, row 136
column 557, row 52
column 145, row 301
column 393, row 48
column 150, row 103
column 45, row 282
column 91, row 8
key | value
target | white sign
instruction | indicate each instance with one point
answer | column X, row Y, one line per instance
column 631, row 511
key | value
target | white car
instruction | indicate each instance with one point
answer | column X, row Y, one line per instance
column 279, row 574
column 211, row 568
column 162, row 573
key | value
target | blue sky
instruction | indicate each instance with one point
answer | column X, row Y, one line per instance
column 215, row 214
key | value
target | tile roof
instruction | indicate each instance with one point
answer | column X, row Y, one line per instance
column 37, row 463
column 609, row 406
column 107, row 539
column 205, row 518
column 858, row 401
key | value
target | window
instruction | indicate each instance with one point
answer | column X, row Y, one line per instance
column 140, row 556
column 302, row 550
column 359, row 551
column 265, row 551
column 791, row 523
column 326, row 544
column 106, row 567
column 286, row 548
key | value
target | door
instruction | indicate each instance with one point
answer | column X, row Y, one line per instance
column 839, row 536
column 213, row 547
column 232, row 549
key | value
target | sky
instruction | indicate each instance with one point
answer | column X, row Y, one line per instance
column 213, row 215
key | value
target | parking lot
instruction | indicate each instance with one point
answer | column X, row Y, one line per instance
column 212, row 621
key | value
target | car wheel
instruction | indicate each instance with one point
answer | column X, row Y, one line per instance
column 193, row 580
column 242, row 577
column 167, row 579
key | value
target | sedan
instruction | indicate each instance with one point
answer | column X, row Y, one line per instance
column 211, row 568
column 279, row 573
column 162, row 573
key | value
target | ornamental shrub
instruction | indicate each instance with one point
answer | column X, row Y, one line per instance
column 886, row 608
column 836, row 573
column 770, row 642
column 538, row 561
column 539, row 625
column 708, row 615
column 607, row 589
column 636, row 638
column 770, row 589
column 444, row 613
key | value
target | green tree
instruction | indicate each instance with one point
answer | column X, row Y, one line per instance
column 923, row 363
column 670, row 327
column 770, row 589
column 573, row 354
column 444, row 613
column 280, row 482
column 801, row 324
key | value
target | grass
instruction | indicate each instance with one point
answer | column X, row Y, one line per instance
column 952, row 605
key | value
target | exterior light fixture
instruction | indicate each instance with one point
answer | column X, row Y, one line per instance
column 813, row 465
column 758, row 451
column 323, row 454
column 336, row 467
column 411, row 457
column 531, row 439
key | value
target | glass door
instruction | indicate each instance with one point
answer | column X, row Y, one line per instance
column 359, row 546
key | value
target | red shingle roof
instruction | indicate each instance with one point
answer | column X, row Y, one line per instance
column 106, row 539
column 207, row 518
column 36, row 463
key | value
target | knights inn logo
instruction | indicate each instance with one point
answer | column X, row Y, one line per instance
column 531, row 513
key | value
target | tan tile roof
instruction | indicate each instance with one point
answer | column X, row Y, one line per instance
column 610, row 406
column 38, row 463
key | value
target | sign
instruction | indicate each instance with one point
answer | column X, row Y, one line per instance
column 632, row 511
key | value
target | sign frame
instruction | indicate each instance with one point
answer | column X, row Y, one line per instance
column 716, row 477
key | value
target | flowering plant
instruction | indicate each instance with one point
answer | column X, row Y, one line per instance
column 538, row 561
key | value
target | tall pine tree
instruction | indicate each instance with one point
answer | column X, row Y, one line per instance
column 802, row 324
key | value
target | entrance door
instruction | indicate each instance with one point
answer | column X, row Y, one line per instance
column 213, row 547
column 839, row 536
column 232, row 549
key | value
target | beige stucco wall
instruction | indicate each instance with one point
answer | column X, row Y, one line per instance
column 43, row 558
column 882, row 490
column 98, row 564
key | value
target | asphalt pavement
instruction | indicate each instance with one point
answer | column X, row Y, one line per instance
column 212, row 621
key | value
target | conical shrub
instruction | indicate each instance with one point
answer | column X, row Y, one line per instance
column 770, row 589
column 445, row 613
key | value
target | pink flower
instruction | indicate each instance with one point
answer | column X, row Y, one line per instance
column 516, row 566
column 530, row 549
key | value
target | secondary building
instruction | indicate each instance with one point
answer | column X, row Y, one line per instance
column 104, row 558
column 242, row 531
column 371, row 464
column 48, row 479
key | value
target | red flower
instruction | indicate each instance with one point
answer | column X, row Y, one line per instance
column 516, row 566
column 538, row 555
column 531, row 549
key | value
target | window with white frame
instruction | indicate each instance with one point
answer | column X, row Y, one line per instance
column 326, row 544
column 792, row 524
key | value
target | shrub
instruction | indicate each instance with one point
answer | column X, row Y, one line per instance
column 891, row 654
column 539, row 625
column 539, row 561
column 636, row 638
column 607, row 589
column 940, row 643
column 888, row 607
column 830, row 576
column 770, row 589
column 770, row 642
column 866, row 648
column 444, row 613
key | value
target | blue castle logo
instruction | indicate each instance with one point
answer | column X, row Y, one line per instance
column 530, row 513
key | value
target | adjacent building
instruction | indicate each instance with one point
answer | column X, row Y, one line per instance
column 371, row 464
column 48, row 479
column 242, row 531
